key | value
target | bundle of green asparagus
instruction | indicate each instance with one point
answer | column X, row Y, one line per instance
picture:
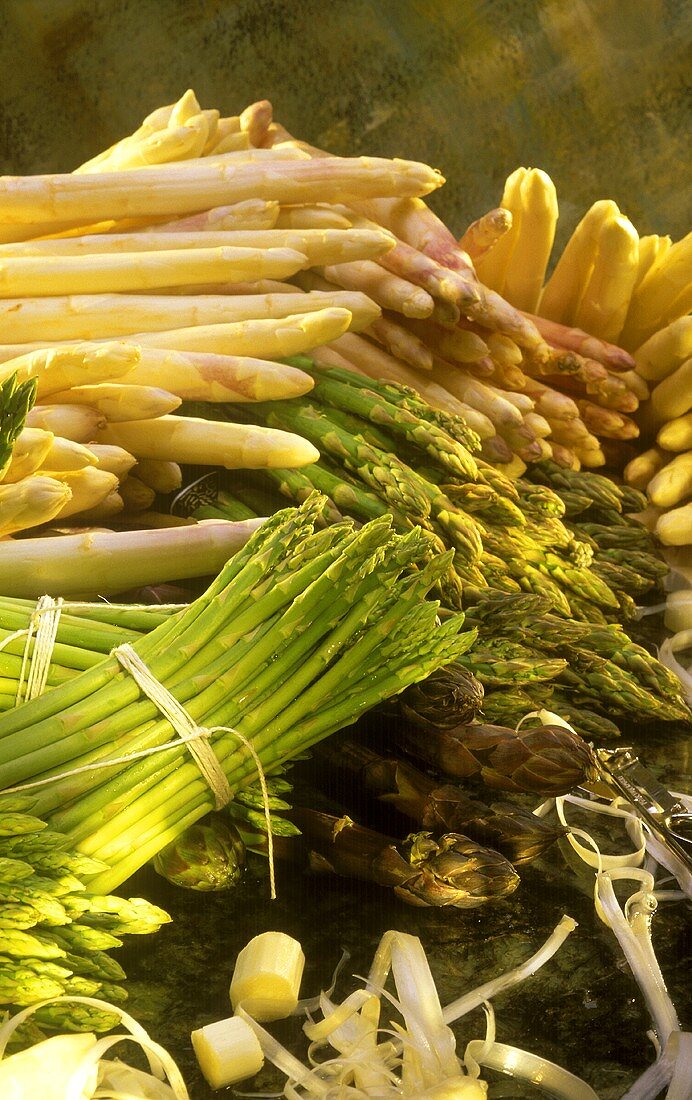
column 386, row 451
column 302, row 631
column 55, row 933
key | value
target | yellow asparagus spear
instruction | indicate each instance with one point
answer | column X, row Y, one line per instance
column 102, row 316
column 204, row 376
column 29, row 451
column 676, row 435
column 210, row 443
column 665, row 350
column 664, row 294
column 112, row 459
column 565, row 287
column 673, row 396
column 673, row 483
column 121, row 402
column 534, row 235
column 290, row 335
column 606, row 298
column 136, row 495
column 28, row 503
column 65, row 455
column 80, row 423
column 88, row 487
column 674, row 528
column 104, row 563
column 388, row 290
column 651, row 249
column 492, row 266
column 32, row 201
column 320, row 246
column 485, row 232
column 162, row 477
column 58, row 368
column 36, row 276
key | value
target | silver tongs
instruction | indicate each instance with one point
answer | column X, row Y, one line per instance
column 664, row 814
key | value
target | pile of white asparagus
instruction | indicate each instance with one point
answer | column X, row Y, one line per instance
column 188, row 258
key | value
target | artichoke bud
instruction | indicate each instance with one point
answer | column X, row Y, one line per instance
column 210, row 855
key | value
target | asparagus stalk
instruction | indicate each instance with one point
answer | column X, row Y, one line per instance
column 511, row 830
column 450, row 871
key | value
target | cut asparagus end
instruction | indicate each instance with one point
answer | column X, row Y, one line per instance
column 267, row 976
column 228, row 1051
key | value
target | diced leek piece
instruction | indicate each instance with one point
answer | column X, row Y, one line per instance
column 228, row 1051
column 267, row 975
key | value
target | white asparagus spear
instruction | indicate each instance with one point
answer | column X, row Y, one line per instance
column 88, row 487
column 320, row 246
column 161, row 476
column 388, row 290
column 29, row 451
column 249, row 214
column 65, row 454
column 96, row 317
column 210, row 443
column 33, row 201
column 80, row 423
column 58, row 368
column 38, row 276
column 112, row 459
column 204, row 376
column 119, row 401
column 28, row 503
column 103, row 563
column 269, row 338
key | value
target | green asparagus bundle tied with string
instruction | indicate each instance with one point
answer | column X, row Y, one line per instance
column 55, row 934
column 301, row 632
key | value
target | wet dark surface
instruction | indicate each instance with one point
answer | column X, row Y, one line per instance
column 582, row 1010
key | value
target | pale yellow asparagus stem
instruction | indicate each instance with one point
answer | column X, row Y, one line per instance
column 590, row 453
column 664, row 294
column 88, row 486
column 255, row 120
column 80, row 423
column 607, row 422
column 320, row 246
column 29, row 451
column 136, row 495
column 28, row 503
column 516, row 468
column 154, row 122
column 651, row 249
column 665, row 351
column 674, row 528
column 114, row 460
column 550, row 402
column 162, row 477
column 492, row 267
column 230, row 143
column 564, row 456
column 424, row 271
column 270, row 338
column 225, row 126
column 38, row 276
column 315, row 216
column 508, row 377
column 537, row 424
column 58, row 368
column 457, row 345
column 533, row 240
column 503, row 349
column 36, row 200
column 210, row 443
column 521, row 401
column 104, row 563
column 117, row 401
column 202, row 376
column 565, row 287
column 256, row 286
column 388, row 290
column 102, row 316
column 606, row 298
column 676, row 435
column 175, row 143
column 249, row 214
column 65, row 454
column 374, row 362
column 110, row 506
column 636, row 384
column 480, row 396
column 672, row 484
column 673, row 396
column 485, row 233
column 401, row 343
column 481, row 424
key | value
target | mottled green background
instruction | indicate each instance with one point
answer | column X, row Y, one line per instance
column 596, row 92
